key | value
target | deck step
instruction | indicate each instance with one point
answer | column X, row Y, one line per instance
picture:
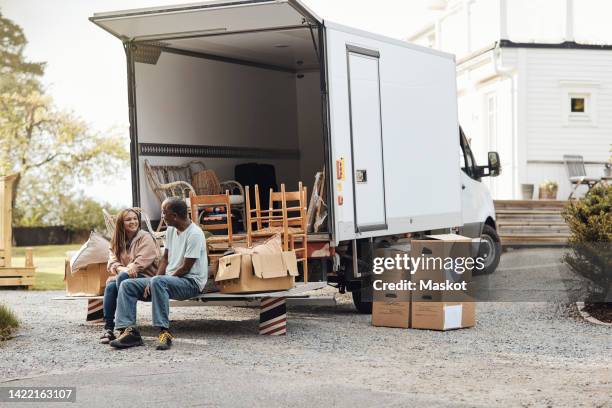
column 529, row 211
column 512, row 223
column 531, row 222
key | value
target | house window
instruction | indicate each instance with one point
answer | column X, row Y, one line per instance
column 577, row 105
column 579, row 112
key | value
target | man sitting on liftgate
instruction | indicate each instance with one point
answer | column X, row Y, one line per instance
column 182, row 274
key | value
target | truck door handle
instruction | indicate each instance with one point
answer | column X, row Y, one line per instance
column 463, row 186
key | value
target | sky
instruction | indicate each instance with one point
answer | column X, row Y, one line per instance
column 86, row 70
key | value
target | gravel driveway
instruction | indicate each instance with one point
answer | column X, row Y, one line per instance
column 519, row 354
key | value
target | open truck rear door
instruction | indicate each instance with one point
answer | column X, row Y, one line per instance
column 202, row 19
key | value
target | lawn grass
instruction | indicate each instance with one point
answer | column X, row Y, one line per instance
column 8, row 322
column 49, row 262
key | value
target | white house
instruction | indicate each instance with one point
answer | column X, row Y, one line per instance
column 534, row 82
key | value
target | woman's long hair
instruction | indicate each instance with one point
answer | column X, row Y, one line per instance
column 119, row 240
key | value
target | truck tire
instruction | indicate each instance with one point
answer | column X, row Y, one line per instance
column 490, row 249
column 362, row 307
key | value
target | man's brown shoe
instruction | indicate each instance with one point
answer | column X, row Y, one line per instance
column 129, row 338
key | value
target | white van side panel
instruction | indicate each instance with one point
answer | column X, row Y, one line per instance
column 419, row 131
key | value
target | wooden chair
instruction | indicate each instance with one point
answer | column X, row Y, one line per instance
column 215, row 200
column 295, row 223
column 255, row 216
column 289, row 221
column 577, row 173
column 170, row 181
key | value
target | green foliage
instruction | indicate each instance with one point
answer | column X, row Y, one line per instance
column 74, row 212
column 8, row 322
column 51, row 151
column 590, row 223
column 83, row 214
column 12, row 45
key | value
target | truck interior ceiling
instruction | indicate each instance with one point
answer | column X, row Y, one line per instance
column 229, row 99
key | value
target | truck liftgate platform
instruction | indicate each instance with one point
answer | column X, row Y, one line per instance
column 272, row 305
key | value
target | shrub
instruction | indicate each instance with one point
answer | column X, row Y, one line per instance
column 8, row 322
column 590, row 256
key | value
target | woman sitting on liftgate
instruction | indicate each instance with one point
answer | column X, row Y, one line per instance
column 133, row 254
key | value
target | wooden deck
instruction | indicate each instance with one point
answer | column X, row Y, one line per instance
column 531, row 222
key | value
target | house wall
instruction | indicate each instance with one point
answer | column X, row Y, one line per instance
column 489, row 128
column 542, row 80
column 551, row 76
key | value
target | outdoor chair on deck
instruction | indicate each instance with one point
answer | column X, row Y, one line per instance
column 577, row 173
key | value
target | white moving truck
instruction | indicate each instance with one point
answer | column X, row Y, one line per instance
column 268, row 81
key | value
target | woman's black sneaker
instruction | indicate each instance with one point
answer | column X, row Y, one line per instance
column 129, row 338
column 107, row 337
column 164, row 341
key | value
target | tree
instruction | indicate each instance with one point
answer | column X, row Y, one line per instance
column 49, row 150
column 12, row 45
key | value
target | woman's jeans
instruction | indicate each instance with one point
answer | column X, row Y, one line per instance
column 110, row 300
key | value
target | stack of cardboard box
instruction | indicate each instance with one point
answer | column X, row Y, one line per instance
column 425, row 307
column 391, row 308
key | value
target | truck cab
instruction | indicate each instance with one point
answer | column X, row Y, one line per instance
column 477, row 205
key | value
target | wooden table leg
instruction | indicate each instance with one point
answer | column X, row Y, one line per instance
column 273, row 317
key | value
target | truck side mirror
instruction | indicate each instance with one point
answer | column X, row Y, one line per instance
column 494, row 164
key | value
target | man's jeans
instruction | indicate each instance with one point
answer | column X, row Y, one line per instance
column 110, row 300
column 163, row 288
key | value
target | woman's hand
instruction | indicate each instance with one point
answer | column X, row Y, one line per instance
column 121, row 269
column 132, row 273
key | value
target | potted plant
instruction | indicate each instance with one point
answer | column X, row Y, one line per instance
column 527, row 191
column 548, row 190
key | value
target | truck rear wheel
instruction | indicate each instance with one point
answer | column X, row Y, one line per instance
column 362, row 306
column 490, row 249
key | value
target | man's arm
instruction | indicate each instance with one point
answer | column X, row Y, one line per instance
column 185, row 267
column 163, row 263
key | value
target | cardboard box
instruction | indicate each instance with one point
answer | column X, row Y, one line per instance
column 442, row 248
column 89, row 281
column 443, row 315
column 248, row 273
column 391, row 314
column 391, row 308
column 443, row 309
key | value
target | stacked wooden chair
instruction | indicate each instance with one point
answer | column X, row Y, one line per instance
column 289, row 220
column 223, row 237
